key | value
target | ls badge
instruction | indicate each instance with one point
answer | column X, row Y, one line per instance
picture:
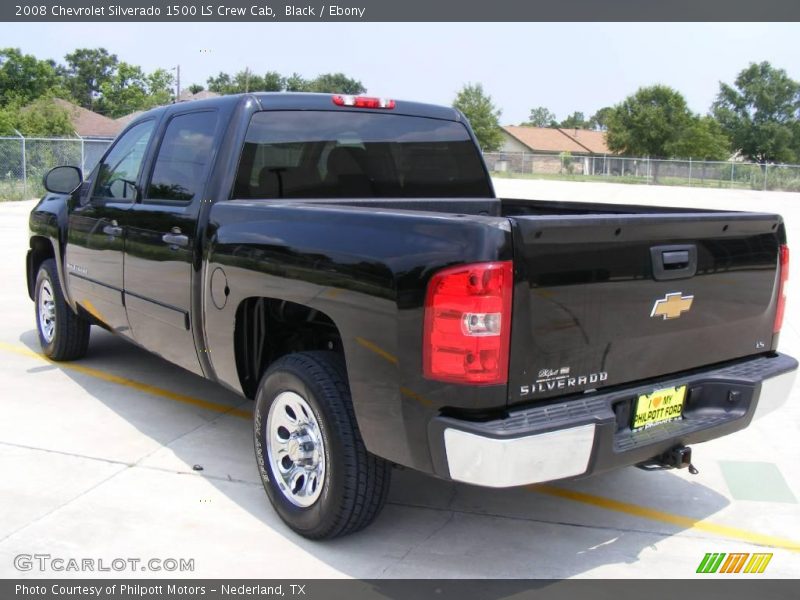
column 672, row 306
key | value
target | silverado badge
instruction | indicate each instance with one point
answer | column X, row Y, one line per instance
column 672, row 306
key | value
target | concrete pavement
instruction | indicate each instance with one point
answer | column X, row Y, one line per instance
column 97, row 462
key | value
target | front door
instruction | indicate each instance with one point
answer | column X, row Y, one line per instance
column 96, row 237
column 161, row 241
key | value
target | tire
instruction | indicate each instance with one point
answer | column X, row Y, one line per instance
column 341, row 488
column 63, row 335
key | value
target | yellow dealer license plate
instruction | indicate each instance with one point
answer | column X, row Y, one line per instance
column 659, row 407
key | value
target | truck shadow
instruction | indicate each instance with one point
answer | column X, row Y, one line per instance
column 429, row 529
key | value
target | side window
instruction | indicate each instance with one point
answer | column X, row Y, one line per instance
column 119, row 170
column 182, row 163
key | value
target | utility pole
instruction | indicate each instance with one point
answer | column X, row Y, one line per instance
column 246, row 79
column 178, row 86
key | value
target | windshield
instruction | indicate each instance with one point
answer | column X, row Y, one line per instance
column 347, row 154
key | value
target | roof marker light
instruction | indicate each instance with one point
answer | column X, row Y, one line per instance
column 363, row 102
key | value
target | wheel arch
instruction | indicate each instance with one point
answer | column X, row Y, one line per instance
column 41, row 248
column 268, row 328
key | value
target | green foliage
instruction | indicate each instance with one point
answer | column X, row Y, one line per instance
column 566, row 162
column 541, row 117
column 649, row 123
column 88, row 69
column 24, row 78
column 482, row 114
column 42, row 117
column 336, row 83
column 124, row 93
column 575, row 121
column 759, row 113
column 702, row 139
column 272, row 81
column 295, row 83
column 160, row 84
column 599, row 120
column 196, row 89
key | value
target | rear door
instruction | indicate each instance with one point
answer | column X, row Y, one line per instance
column 96, row 234
column 161, row 239
column 611, row 299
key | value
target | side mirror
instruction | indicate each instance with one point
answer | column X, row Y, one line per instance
column 63, row 180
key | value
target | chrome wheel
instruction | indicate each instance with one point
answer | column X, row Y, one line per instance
column 295, row 449
column 47, row 311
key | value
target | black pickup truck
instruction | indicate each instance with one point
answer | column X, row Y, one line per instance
column 344, row 261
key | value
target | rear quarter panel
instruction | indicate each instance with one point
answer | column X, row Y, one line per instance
column 366, row 269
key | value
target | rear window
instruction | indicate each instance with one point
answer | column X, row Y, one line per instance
column 328, row 154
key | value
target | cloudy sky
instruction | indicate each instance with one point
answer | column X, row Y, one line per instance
column 563, row 66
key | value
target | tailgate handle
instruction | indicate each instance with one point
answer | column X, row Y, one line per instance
column 676, row 259
column 674, row 262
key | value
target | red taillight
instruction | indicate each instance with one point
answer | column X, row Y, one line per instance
column 363, row 102
column 468, row 324
column 784, row 277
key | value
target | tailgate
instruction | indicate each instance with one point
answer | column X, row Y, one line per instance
column 603, row 300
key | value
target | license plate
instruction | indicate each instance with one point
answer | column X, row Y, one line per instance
column 659, row 407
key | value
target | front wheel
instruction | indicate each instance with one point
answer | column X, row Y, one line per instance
column 63, row 335
column 315, row 469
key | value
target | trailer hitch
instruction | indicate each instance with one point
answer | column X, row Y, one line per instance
column 679, row 457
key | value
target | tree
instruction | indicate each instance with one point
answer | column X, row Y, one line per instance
column 541, row 117
column 195, row 88
column 702, row 139
column 221, row 84
column 482, row 114
column 599, row 120
column 125, row 92
column 648, row 123
column 24, row 78
column 575, row 121
column 296, row 83
column 88, row 69
column 160, row 84
column 42, row 117
column 335, row 83
column 759, row 113
column 274, row 82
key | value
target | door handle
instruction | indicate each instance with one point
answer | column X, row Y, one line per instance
column 175, row 238
column 673, row 262
column 112, row 229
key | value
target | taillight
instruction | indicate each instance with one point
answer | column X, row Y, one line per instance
column 468, row 324
column 363, row 102
column 784, row 277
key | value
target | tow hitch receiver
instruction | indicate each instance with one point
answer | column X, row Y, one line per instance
column 679, row 457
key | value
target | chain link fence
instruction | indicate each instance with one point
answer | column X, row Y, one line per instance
column 24, row 161
column 718, row 174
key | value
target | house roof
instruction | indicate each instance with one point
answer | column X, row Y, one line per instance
column 202, row 95
column 125, row 119
column 552, row 139
column 87, row 123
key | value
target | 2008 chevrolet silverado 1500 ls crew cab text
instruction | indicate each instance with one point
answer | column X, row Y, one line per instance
column 344, row 261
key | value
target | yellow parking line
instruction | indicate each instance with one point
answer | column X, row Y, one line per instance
column 131, row 383
column 665, row 517
column 377, row 350
column 591, row 499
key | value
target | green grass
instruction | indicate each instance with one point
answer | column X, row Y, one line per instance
column 629, row 179
column 14, row 190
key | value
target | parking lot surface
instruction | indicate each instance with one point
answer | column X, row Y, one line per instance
column 97, row 460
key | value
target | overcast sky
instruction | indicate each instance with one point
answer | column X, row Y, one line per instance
column 563, row 66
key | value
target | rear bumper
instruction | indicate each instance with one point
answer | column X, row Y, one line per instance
column 590, row 433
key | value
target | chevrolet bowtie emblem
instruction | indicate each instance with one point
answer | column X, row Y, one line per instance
column 672, row 306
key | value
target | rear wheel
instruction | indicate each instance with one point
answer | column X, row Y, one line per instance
column 316, row 471
column 63, row 335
